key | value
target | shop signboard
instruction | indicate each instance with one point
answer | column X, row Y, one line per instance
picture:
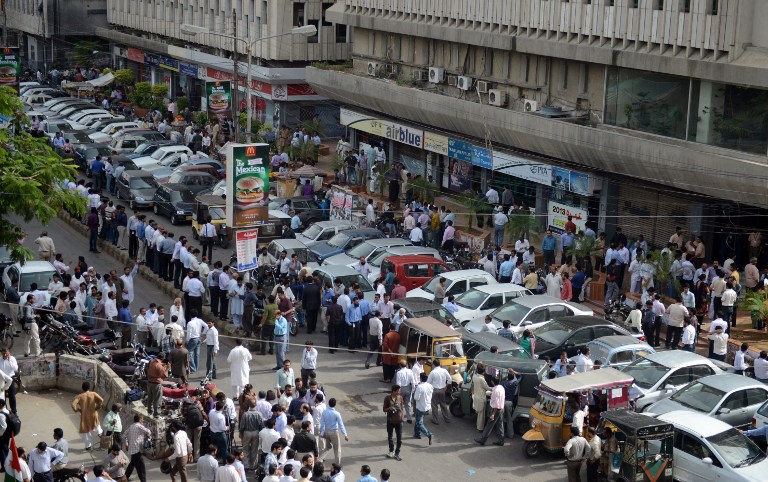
column 522, row 168
column 482, row 157
column 460, row 178
column 557, row 216
column 188, row 69
column 247, row 249
column 151, row 59
column 435, row 143
column 404, row 134
column 248, row 181
column 371, row 126
column 168, row 63
column 219, row 97
column 460, row 150
column 136, row 55
column 10, row 67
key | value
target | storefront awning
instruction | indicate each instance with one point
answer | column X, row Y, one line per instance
column 102, row 81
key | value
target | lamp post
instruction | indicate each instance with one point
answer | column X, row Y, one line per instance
column 192, row 30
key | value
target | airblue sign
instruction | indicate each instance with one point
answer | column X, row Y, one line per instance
column 459, row 150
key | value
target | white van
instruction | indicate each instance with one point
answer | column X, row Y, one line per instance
column 457, row 282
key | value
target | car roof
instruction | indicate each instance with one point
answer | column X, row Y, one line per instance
column 727, row 382
column 276, row 213
column 413, row 258
column 486, row 338
column 387, row 242
column 499, row 288
column 615, row 341
column 330, row 224
column 694, row 422
column 464, row 273
column 674, row 358
column 290, row 243
column 520, row 365
column 578, row 321
column 334, row 270
column 37, row 267
column 417, row 304
column 359, row 231
column 171, row 186
column 412, row 250
column 588, row 380
column 539, row 300
column 137, row 173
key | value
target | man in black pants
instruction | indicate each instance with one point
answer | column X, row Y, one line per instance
column 213, row 287
column 135, row 436
column 178, row 265
column 311, row 304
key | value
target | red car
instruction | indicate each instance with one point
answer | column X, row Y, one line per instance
column 413, row 270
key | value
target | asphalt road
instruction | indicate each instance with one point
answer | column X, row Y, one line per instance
column 453, row 456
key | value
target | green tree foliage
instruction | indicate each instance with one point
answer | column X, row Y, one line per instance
column 83, row 52
column 521, row 224
column 424, row 190
column 31, row 174
column 123, row 76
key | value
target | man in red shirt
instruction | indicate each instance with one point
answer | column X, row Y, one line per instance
column 570, row 226
column 398, row 292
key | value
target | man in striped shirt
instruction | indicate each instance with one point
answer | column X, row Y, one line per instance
column 134, row 441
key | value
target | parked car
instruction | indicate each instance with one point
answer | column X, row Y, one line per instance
column 482, row 300
column 66, row 107
column 572, row 333
column 220, row 189
column 195, row 162
column 726, row 396
column 104, row 135
column 323, row 231
column 194, row 179
column 138, row 187
column 308, row 210
column 421, row 307
column 413, row 271
column 5, row 259
column 708, row 450
column 166, row 156
column 341, row 241
column 85, row 154
column 457, row 282
column 476, row 343
column 618, row 351
column 374, row 264
column 146, row 148
column 146, row 134
column 660, row 374
column 53, row 126
column 530, row 313
column 367, row 249
column 348, row 277
column 176, row 201
column 291, row 246
column 40, row 272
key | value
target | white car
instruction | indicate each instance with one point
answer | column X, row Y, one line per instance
column 530, row 313
column 155, row 159
column 375, row 263
column 481, row 300
column 761, row 416
column 457, row 282
column 40, row 272
column 708, row 450
column 367, row 249
column 104, row 135
column 347, row 276
column 323, row 231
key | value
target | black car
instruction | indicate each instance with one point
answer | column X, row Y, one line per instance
column 307, row 209
column 571, row 333
column 86, row 153
column 175, row 201
column 419, row 307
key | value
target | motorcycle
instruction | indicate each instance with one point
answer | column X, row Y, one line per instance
column 293, row 324
column 70, row 473
column 617, row 311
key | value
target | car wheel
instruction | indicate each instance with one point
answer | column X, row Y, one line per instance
column 131, row 204
column 156, row 210
column 455, row 408
column 521, row 425
column 532, row 449
column 173, row 219
column 195, row 236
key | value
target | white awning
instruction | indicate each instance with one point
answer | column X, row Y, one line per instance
column 102, row 81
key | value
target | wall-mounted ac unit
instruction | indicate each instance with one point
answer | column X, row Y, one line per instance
column 394, row 69
column 464, row 83
column 451, row 80
column 373, row 68
column 497, row 97
column 530, row 105
column 482, row 86
column 419, row 75
column 436, row 75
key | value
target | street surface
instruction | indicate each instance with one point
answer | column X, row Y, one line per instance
column 453, row 456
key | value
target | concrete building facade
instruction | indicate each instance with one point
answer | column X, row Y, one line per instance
column 662, row 104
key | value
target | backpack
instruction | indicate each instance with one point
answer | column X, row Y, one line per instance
column 133, row 395
column 194, row 417
column 14, row 423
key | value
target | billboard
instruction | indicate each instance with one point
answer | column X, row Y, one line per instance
column 218, row 95
column 558, row 213
column 247, row 248
column 247, row 184
column 10, row 67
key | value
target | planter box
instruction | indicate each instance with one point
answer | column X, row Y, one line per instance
column 476, row 242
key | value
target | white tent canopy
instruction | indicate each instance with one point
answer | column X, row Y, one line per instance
column 102, row 81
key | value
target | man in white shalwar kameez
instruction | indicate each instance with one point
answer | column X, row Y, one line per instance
column 554, row 282
column 238, row 365
column 127, row 278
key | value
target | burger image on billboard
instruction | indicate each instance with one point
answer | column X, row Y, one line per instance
column 7, row 74
column 219, row 102
column 249, row 190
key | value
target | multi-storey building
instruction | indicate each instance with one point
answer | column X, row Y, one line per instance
column 648, row 114
column 152, row 37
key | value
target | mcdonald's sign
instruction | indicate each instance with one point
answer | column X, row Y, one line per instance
column 10, row 67
column 247, row 185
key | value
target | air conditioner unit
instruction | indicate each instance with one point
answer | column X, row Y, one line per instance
column 373, row 68
column 464, row 83
column 419, row 75
column 452, row 79
column 497, row 97
column 530, row 105
column 394, row 69
column 482, row 86
column 436, row 75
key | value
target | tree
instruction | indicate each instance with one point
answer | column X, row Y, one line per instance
column 423, row 189
column 582, row 247
column 475, row 206
column 523, row 223
column 84, row 52
column 123, row 76
column 662, row 266
column 31, row 174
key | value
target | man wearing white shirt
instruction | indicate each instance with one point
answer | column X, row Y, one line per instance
column 521, row 247
column 440, row 380
column 362, row 267
column 404, row 377
column 195, row 328
column 344, row 300
column 370, row 213
column 409, row 222
column 492, row 196
column 517, row 274
column 739, row 363
column 422, row 396
column 182, row 451
column 127, row 278
column 761, row 367
column 689, row 337
column 212, row 348
column 416, row 236
column 583, row 362
column 727, row 300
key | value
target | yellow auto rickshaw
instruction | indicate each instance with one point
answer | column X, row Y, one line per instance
column 428, row 337
column 215, row 207
column 558, row 399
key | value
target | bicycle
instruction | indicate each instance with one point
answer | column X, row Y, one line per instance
column 6, row 332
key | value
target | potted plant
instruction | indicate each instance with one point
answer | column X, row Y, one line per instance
column 475, row 206
column 521, row 224
column 423, row 189
column 757, row 304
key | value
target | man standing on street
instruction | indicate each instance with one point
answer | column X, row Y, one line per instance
column 180, row 362
column 251, row 423
column 134, row 443
column 156, row 373
column 496, row 418
column 331, row 430
column 239, row 359
column 311, row 304
column 45, row 247
column 181, row 453
column 393, row 407
column 308, row 362
column 88, row 403
column 407, row 381
column 212, row 349
column 441, row 381
column 195, row 329
column 576, row 452
column 422, row 397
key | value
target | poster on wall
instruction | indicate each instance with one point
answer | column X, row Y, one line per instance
column 347, row 213
column 460, row 178
column 561, row 178
column 557, row 216
column 219, row 98
column 248, row 184
column 337, row 206
column 413, row 165
column 10, row 67
column 247, row 248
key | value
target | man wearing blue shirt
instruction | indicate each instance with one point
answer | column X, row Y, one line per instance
column 331, row 430
column 326, row 302
column 97, row 167
column 549, row 248
column 567, row 241
column 365, row 474
column 281, row 340
column 450, row 305
column 354, row 317
column 506, row 269
column 365, row 310
column 295, row 222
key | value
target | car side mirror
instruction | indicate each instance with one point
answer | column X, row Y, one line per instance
column 526, row 323
column 707, row 461
column 724, row 411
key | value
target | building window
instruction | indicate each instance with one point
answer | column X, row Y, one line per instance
column 659, row 5
column 564, row 75
column 298, row 14
column 316, row 37
column 341, row 33
column 686, row 6
column 713, row 7
column 525, row 65
column 635, row 3
column 326, row 6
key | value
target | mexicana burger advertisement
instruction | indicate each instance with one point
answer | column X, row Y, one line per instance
column 9, row 67
column 247, row 184
column 219, row 96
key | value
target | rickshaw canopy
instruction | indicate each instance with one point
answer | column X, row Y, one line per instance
column 505, row 362
column 431, row 327
column 593, row 379
column 211, row 200
column 637, row 424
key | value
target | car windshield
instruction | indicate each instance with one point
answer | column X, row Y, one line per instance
column 339, row 240
column 736, row 449
column 186, row 196
column 554, row 333
column 158, row 154
column 429, row 286
column 472, row 299
column 312, row 232
column 217, row 213
column 763, row 410
column 363, row 249
column 598, row 351
column 143, row 183
column 512, row 312
column 350, row 279
column 42, row 279
column 646, row 372
column 698, row 396
column 451, row 349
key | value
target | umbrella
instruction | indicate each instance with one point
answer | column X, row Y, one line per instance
column 306, row 172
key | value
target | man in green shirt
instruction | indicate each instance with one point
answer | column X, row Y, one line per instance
column 267, row 326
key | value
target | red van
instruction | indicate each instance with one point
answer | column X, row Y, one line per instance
column 413, row 270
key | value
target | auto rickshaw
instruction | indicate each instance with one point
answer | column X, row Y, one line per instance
column 531, row 371
column 215, row 207
column 645, row 446
column 427, row 337
column 552, row 412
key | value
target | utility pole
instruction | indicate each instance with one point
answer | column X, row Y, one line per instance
column 235, row 103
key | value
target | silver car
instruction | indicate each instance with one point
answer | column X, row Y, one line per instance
column 530, row 312
column 728, row 397
column 618, row 351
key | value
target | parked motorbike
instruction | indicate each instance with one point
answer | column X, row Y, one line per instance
column 618, row 310
column 71, row 473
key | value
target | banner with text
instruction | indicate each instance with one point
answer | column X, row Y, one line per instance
column 557, row 216
column 10, row 67
column 219, row 96
column 247, row 249
column 247, row 184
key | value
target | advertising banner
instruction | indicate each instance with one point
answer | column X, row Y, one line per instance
column 522, row 168
column 247, row 184
column 188, row 69
column 247, row 248
column 347, row 213
column 337, row 206
column 461, row 176
column 10, row 67
column 557, row 216
column 435, row 143
column 219, row 95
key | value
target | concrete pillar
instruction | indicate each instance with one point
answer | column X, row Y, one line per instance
column 609, row 197
column 542, row 204
column 708, row 101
